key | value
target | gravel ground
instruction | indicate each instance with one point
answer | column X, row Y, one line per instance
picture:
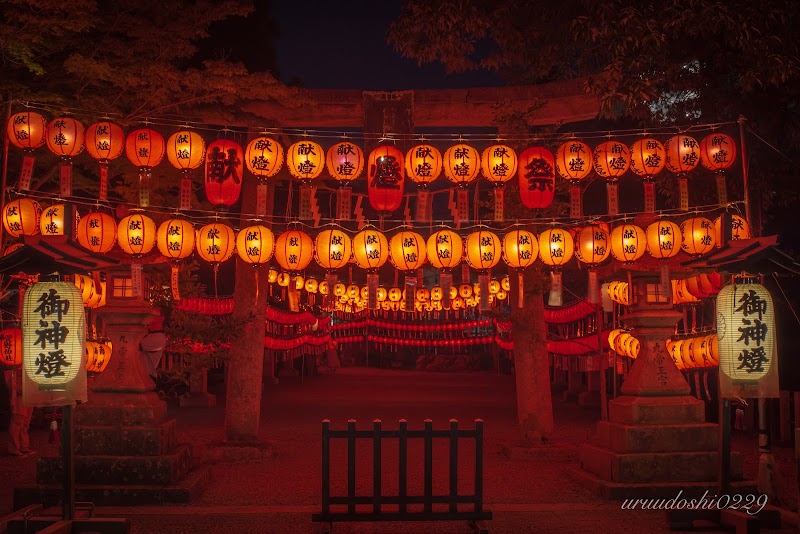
column 291, row 414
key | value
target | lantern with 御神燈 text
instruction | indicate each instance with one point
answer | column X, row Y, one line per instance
column 647, row 160
column 717, row 154
column 105, row 142
column 53, row 335
column 746, row 337
column 386, row 178
column 97, row 232
column 145, row 149
column 498, row 165
column 21, row 217
column 611, row 160
column 556, row 247
column 255, row 245
column 11, row 347
column 294, row 250
column 682, row 156
column 223, row 172
column 699, row 236
column 27, row 131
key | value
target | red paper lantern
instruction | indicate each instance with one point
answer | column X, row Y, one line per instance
column 26, row 130
column 224, row 172
column 105, row 141
column 647, row 157
column 611, row 160
column 717, row 151
column 683, row 154
column 345, row 161
column 573, row 160
column 145, row 148
column 386, row 177
column 537, row 177
column 65, row 137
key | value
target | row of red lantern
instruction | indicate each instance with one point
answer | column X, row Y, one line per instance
column 387, row 166
column 410, row 327
column 206, row 306
column 402, row 341
column 695, row 352
column 685, row 291
column 279, row 343
column 136, row 234
column 98, row 354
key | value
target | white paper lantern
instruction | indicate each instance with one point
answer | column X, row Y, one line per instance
column 746, row 331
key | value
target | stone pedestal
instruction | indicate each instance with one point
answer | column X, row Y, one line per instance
column 125, row 448
column 656, row 440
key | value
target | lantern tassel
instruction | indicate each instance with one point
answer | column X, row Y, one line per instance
column 666, row 287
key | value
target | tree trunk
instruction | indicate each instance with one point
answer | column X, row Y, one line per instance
column 531, row 362
column 246, row 365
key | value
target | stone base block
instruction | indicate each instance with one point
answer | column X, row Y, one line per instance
column 120, row 470
column 657, row 467
column 677, row 410
column 655, row 490
column 125, row 441
column 237, row 451
column 121, row 409
column 198, row 400
column 657, row 438
column 183, row 492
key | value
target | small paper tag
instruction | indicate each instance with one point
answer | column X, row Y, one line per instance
column 446, row 283
column 722, row 190
column 613, row 199
column 555, row 298
column 65, row 177
column 483, row 281
column 462, row 206
column 26, row 173
column 174, row 282
column 465, row 274
column 411, row 293
column 423, row 206
column 137, row 283
column 372, row 291
column 649, row 196
column 666, row 286
column 594, row 289
column 102, row 194
column 306, row 191
column 186, row 193
column 344, row 205
column 499, row 204
column 683, row 193
column 261, row 200
column 144, row 188
column 575, row 207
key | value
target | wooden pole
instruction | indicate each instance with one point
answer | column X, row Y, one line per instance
column 68, row 457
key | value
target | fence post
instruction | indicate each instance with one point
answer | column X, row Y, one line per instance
column 351, row 466
column 326, row 466
column 453, row 465
column 403, row 475
column 376, row 466
column 428, row 503
column 478, row 465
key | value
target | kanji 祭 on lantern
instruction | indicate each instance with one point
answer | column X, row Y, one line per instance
column 522, row 266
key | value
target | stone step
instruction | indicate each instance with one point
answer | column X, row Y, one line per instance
column 182, row 492
column 120, row 470
column 657, row 438
column 655, row 467
column 655, row 490
column 151, row 440
column 678, row 410
column 121, row 409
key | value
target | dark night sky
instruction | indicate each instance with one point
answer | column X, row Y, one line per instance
column 341, row 45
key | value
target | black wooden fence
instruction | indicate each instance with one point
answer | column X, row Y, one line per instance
column 433, row 506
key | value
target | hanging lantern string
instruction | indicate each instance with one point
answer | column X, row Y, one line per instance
column 204, row 216
column 378, row 136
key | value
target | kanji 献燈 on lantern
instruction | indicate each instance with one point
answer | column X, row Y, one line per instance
column 345, row 162
column 682, row 156
column 97, row 232
column 21, row 217
column 717, row 154
column 573, row 164
column 647, row 160
column 185, row 151
column 611, row 160
column 105, row 142
column 498, row 165
column 65, row 138
column 145, row 149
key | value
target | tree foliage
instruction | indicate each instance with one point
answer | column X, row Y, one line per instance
column 134, row 59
